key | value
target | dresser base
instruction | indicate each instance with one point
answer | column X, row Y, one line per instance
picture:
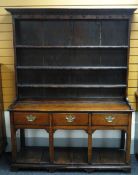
column 89, row 117
column 53, row 167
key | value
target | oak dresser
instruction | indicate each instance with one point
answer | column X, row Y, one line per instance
column 71, row 70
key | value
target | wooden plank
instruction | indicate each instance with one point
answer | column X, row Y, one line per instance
column 8, row 98
column 8, row 83
column 6, row 36
column 7, row 68
column 131, row 91
column 133, row 51
column 6, row 45
column 134, row 35
column 134, row 26
column 132, row 98
column 7, row 60
column 133, row 75
column 8, row 76
column 62, row 2
column 133, row 43
column 132, row 83
column 7, row 104
column 133, row 59
column 6, row 52
column 6, row 28
column 8, row 92
column 133, row 67
column 135, row 17
column 5, row 19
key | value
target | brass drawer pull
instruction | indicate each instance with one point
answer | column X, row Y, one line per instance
column 70, row 118
column 109, row 119
column 30, row 118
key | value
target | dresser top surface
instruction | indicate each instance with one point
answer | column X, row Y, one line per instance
column 69, row 105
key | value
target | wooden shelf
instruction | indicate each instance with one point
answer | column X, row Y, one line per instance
column 33, row 155
column 65, row 155
column 72, row 47
column 72, row 85
column 72, row 67
column 108, row 156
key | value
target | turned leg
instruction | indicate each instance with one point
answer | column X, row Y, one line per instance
column 128, row 142
column 51, row 145
column 13, row 139
column 89, row 146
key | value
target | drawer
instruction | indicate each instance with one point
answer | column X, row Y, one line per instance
column 64, row 119
column 109, row 119
column 25, row 118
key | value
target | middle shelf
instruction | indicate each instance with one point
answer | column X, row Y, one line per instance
column 73, row 85
column 73, row 46
column 72, row 67
column 73, row 57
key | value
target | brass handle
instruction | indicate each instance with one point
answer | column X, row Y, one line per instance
column 30, row 118
column 70, row 118
column 109, row 119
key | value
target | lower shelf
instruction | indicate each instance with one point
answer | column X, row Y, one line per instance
column 71, row 158
column 33, row 155
column 108, row 156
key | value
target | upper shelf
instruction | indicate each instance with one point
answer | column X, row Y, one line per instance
column 73, row 47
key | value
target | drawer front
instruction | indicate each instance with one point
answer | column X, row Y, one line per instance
column 25, row 118
column 65, row 119
column 109, row 119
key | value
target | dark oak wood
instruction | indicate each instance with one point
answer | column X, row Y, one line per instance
column 108, row 156
column 71, row 105
column 65, row 155
column 110, row 119
column 70, row 47
column 71, row 75
column 32, row 154
column 2, row 120
column 13, row 138
column 64, row 119
column 69, row 67
column 72, row 159
column 32, row 118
